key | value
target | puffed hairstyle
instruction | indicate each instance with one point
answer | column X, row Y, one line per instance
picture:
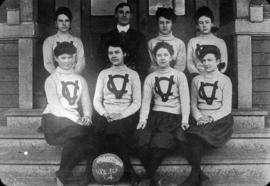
column 116, row 42
column 203, row 11
column 165, row 45
column 168, row 13
column 63, row 10
column 121, row 5
column 64, row 48
column 209, row 49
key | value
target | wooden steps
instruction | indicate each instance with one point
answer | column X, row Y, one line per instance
column 39, row 152
column 246, row 155
column 243, row 161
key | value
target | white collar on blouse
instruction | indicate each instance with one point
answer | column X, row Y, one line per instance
column 62, row 71
column 167, row 37
column 121, row 28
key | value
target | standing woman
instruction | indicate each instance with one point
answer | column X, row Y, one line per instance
column 204, row 19
column 166, row 19
column 211, row 103
column 63, row 18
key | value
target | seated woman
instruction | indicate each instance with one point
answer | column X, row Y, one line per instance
column 117, row 99
column 211, row 123
column 160, row 130
column 62, row 123
column 166, row 18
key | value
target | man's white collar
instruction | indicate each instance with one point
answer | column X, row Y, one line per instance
column 121, row 28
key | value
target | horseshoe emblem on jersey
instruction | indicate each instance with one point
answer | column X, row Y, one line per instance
column 199, row 49
column 66, row 91
column 202, row 94
column 164, row 96
column 111, row 85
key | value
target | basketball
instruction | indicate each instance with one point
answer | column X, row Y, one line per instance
column 107, row 168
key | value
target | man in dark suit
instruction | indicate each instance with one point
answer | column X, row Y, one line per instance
column 137, row 57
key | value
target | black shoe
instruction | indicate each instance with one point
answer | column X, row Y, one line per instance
column 134, row 179
column 40, row 129
column 192, row 180
column 191, row 183
column 62, row 176
column 155, row 182
column 145, row 181
column 85, row 181
column 203, row 176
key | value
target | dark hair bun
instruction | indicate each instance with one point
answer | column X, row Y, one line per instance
column 117, row 42
column 63, row 10
column 168, row 13
column 204, row 11
column 64, row 48
column 203, row 50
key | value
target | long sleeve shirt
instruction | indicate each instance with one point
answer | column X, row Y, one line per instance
column 193, row 63
column 48, row 54
column 170, row 90
column 211, row 96
column 179, row 48
column 118, row 90
column 64, row 90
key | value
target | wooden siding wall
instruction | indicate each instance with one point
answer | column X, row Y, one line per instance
column 9, row 93
column 261, row 73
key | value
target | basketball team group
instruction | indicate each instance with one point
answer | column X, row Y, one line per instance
column 144, row 105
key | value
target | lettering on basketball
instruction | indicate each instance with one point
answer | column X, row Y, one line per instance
column 209, row 100
column 158, row 90
column 67, row 87
column 110, row 159
column 107, row 174
column 112, row 87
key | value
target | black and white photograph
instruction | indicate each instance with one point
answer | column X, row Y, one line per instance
column 135, row 92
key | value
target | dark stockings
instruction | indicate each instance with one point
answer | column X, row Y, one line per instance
column 157, row 155
column 196, row 146
column 196, row 153
column 88, row 177
column 74, row 151
column 118, row 146
column 151, row 159
column 144, row 156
